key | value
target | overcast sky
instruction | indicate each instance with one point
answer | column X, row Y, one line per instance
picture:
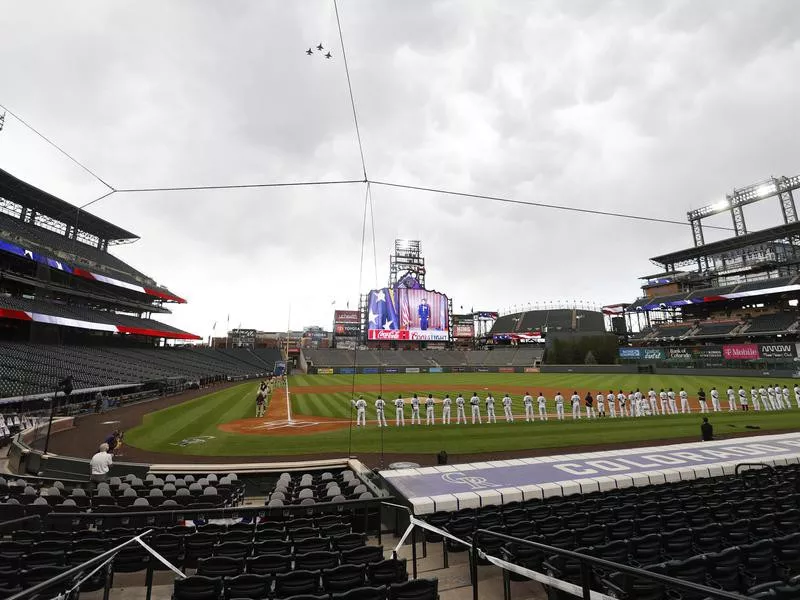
column 652, row 107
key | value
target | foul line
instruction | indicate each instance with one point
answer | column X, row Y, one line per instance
column 288, row 402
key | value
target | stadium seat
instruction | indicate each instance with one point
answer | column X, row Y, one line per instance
column 362, row 593
column 416, row 589
column 198, row 587
column 343, row 578
column 248, row 585
column 296, row 582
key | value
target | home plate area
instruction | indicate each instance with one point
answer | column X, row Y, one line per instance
column 271, row 425
column 296, row 426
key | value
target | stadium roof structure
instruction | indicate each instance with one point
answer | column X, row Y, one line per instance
column 684, row 257
column 29, row 196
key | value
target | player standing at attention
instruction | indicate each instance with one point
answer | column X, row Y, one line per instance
column 651, row 396
column 662, row 398
column 475, row 403
column 612, row 405
column 787, row 402
column 415, row 410
column 715, row 399
column 424, row 312
column 361, row 411
column 460, row 410
column 542, row 407
column 684, row 401
column 762, row 394
column 601, row 404
column 731, row 399
column 743, row 399
column 797, row 395
column 527, row 401
column 576, row 405
column 754, row 398
column 701, row 400
column 507, row 404
column 771, row 395
column 673, row 407
column 380, row 406
column 559, row 406
column 260, row 403
column 490, row 416
column 638, row 396
column 589, row 401
column 446, row 409
column 621, row 397
column 430, row 417
column 399, row 412
column 631, row 404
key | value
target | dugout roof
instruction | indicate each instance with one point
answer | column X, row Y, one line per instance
column 32, row 197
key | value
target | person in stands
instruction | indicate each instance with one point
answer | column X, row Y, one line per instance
column 100, row 464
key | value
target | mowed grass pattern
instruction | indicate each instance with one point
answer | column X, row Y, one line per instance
column 163, row 431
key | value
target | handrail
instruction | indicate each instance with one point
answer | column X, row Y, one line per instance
column 18, row 521
column 587, row 560
column 413, row 536
column 770, row 468
column 70, row 573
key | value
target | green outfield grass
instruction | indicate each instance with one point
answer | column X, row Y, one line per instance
column 163, row 430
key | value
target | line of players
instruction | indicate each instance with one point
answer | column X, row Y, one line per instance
column 633, row 404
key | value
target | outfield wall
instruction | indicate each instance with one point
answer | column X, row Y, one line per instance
column 625, row 369
column 416, row 370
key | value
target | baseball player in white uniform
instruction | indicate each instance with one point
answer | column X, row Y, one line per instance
column 797, row 395
column 527, row 401
column 715, row 400
column 361, row 411
column 612, row 404
column 559, row 406
column 662, row 398
column 430, row 416
column 673, row 407
column 743, row 399
column 399, row 412
column 540, row 400
column 754, row 398
column 475, row 403
column 621, row 400
column 490, row 416
column 771, row 397
column 380, row 407
column 461, row 417
column 576, row 405
column 415, row 410
column 787, row 402
column 637, row 396
column 507, row 405
column 731, row 399
column 651, row 397
column 601, row 404
column 762, row 394
column 684, row 401
column 446, row 403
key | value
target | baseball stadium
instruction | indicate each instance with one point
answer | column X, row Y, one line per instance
column 410, row 448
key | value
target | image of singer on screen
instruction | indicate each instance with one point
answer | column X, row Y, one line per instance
column 424, row 312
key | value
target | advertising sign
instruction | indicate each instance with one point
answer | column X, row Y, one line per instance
column 708, row 351
column 463, row 331
column 347, row 329
column 740, row 352
column 680, row 353
column 404, row 335
column 391, row 370
column 780, row 350
column 630, row 352
column 325, row 371
column 531, row 369
column 412, row 369
column 653, row 353
column 347, row 371
column 458, row 370
column 370, row 370
column 505, row 370
column 347, row 316
column 436, row 370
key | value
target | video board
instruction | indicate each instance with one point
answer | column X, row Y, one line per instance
column 463, row 326
column 412, row 314
column 346, row 323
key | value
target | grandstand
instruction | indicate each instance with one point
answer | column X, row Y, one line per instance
column 740, row 290
column 69, row 307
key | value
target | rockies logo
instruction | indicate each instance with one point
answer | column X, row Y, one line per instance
column 474, row 482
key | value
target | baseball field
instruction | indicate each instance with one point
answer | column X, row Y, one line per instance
column 318, row 416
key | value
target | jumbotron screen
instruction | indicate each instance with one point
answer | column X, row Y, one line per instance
column 407, row 314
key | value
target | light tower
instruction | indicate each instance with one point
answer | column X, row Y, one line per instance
column 407, row 258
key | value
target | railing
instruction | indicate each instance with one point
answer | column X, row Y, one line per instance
column 102, row 560
column 587, row 562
